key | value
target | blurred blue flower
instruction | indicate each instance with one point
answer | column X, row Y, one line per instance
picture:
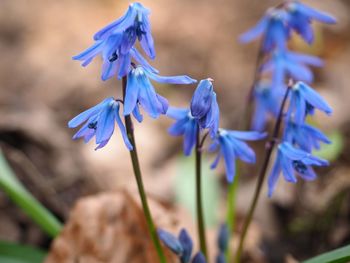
column 187, row 246
column 290, row 160
column 182, row 245
column 300, row 17
column 115, row 43
column 272, row 28
column 304, row 100
column 199, row 258
column 99, row 122
column 267, row 103
column 220, row 258
column 185, row 125
column 223, row 238
column 288, row 64
column 231, row 145
column 140, row 90
column 305, row 136
column 170, row 241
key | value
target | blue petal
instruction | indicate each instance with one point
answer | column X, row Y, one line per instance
column 132, row 93
column 256, row 31
column 147, row 42
column 140, row 59
column 275, row 172
column 315, row 14
column 171, row 80
column 313, row 98
column 243, row 151
column 190, row 136
column 291, row 152
column 309, row 174
column 220, row 258
column 202, row 99
column 177, row 113
column 199, row 258
column 91, row 52
column 187, row 246
column 163, row 104
column 148, row 97
column 109, row 69
column 82, row 117
column 305, row 59
column 223, row 238
column 216, row 161
column 122, row 128
column 111, row 46
column 179, row 127
column 124, row 65
column 229, row 157
column 136, row 112
column 288, row 170
column 170, row 241
column 248, row 135
column 122, row 23
column 105, row 125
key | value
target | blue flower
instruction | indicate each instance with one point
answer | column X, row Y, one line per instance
column 185, row 125
column 304, row 100
column 140, row 90
column 182, row 245
column 99, row 121
column 199, row 258
column 300, row 17
column 290, row 64
column 232, row 146
column 223, row 238
column 290, row 161
column 305, row 136
column 115, row 43
column 267, row 103
column 220, row 258
column 272, row 27
column 170, row 241
column 135, row 25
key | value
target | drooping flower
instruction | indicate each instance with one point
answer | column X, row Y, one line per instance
column 267, row 103
column 304, row 100
column 305, row 136
column 231, row 146
column 182, row 245
column 223, row 238
column 290, row 64
column 300, row 17
column 185, row 126
column 293, row 161
column 140, row 90
column 199, row 258
column 272, row 28
column 99, row 121
column 115, row 43
column 204, row 106
column 135, row 24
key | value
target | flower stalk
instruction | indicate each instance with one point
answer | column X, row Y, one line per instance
column 199, row 204
column 269, row 149
column 138, row 177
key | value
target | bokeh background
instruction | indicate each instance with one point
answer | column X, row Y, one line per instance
column 41, row 89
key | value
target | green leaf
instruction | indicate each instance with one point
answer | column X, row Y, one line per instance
column 340, row 255
column 15, row 253
column 331, row 151
column 185, row 188
column 19, row 195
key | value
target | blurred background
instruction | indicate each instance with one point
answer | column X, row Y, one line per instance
column 41, row 89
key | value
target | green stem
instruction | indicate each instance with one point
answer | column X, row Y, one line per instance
column 262, row 175
column 200, row 216
column 138, row 177
column 231, row 210
column 24, row 199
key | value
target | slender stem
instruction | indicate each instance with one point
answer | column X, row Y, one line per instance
column 200, row 216
column 262, row 175
column 138, row 177
column 231, row 209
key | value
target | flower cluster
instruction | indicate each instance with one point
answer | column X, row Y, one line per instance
column 203, row 117
column 115, row 43
column 294, row 154
column 181, row 246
